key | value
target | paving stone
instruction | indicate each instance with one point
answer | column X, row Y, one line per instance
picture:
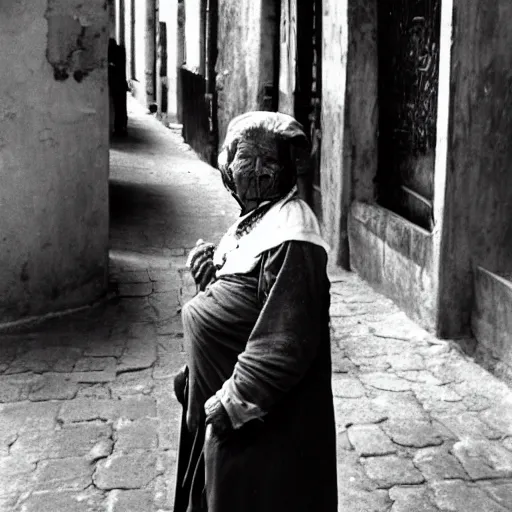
column 132, row 383
column 347, row 387
column 436, row 463
column 483, row 459
column 458, row 496
column 136, row 435
column 169, row 415
column 164, row 275
column 399, row 405
column 94, row 377
column 342, row 365
column 412, row 433
column 165, row 304
column 16, row 387
column 370, row 346
column 369, row 440
column 168, row 364
column 500, row 416
column 467, row 424
column 140, row 351
column 411, row 499
column 38, row 360
column 500, row 491
column 126, row 471
column 356, row 411
column 87, row 409
column 440, row 399
column 476, row 403
column 362, row 500
column 399, row 326
column 7, row 439
column 8, row 502
column 371, row 364
column 65, row 501
column 408, row 361
column 385, row 381
column 165, row 487
column 74, row 441
column 419, row 376
column 93, row 391
column 24, row 416
column 390, row 470
column 344, row 328
column 73, row 473
column 167, row 287
column 95, row 364
column 101, row 450
column 130, row 501
column 132, row 276
column 343, row 442
column 107, row 347
column 15, row 474
column 135, row 289
column 53, row 386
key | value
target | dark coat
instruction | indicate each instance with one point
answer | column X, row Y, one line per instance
column 269, row 332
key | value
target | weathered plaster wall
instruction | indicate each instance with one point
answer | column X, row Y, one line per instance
column 53, row 155
column 478, row 208
column 334, row 181
column 245, row 60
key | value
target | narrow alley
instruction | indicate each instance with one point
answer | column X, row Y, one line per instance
column 88, row 418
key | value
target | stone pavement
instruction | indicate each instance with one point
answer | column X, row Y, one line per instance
column 88, row 420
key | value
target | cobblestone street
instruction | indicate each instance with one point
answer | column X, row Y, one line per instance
column 88, row 418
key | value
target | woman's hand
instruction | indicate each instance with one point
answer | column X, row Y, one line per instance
column 200, row 263
column 217, row 417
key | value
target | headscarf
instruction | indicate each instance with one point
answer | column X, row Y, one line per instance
column 259, row 151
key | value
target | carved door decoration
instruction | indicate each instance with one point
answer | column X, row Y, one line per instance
column 408, row 35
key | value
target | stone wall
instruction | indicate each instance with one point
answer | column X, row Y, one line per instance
column 53, row 155
column 245, row 64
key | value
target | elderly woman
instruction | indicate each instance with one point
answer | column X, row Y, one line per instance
column 258, row 431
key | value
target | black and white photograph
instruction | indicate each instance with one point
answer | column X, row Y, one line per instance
column 255, row 256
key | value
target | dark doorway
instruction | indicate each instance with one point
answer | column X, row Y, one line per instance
column 197, row 94
column 308, row 91
column 408, row 39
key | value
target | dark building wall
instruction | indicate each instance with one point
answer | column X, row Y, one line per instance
column 478, row 205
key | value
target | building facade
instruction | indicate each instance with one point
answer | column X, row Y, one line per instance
column 409, row 112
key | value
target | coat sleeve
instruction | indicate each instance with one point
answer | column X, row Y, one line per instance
column 285, row 339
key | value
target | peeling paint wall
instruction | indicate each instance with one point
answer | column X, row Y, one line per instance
column 53, row 155
column 245, row 64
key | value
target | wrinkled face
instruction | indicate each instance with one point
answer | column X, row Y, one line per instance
column 256, row 160
column 256, row 174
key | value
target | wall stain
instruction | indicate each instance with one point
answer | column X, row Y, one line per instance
column 74, row 46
